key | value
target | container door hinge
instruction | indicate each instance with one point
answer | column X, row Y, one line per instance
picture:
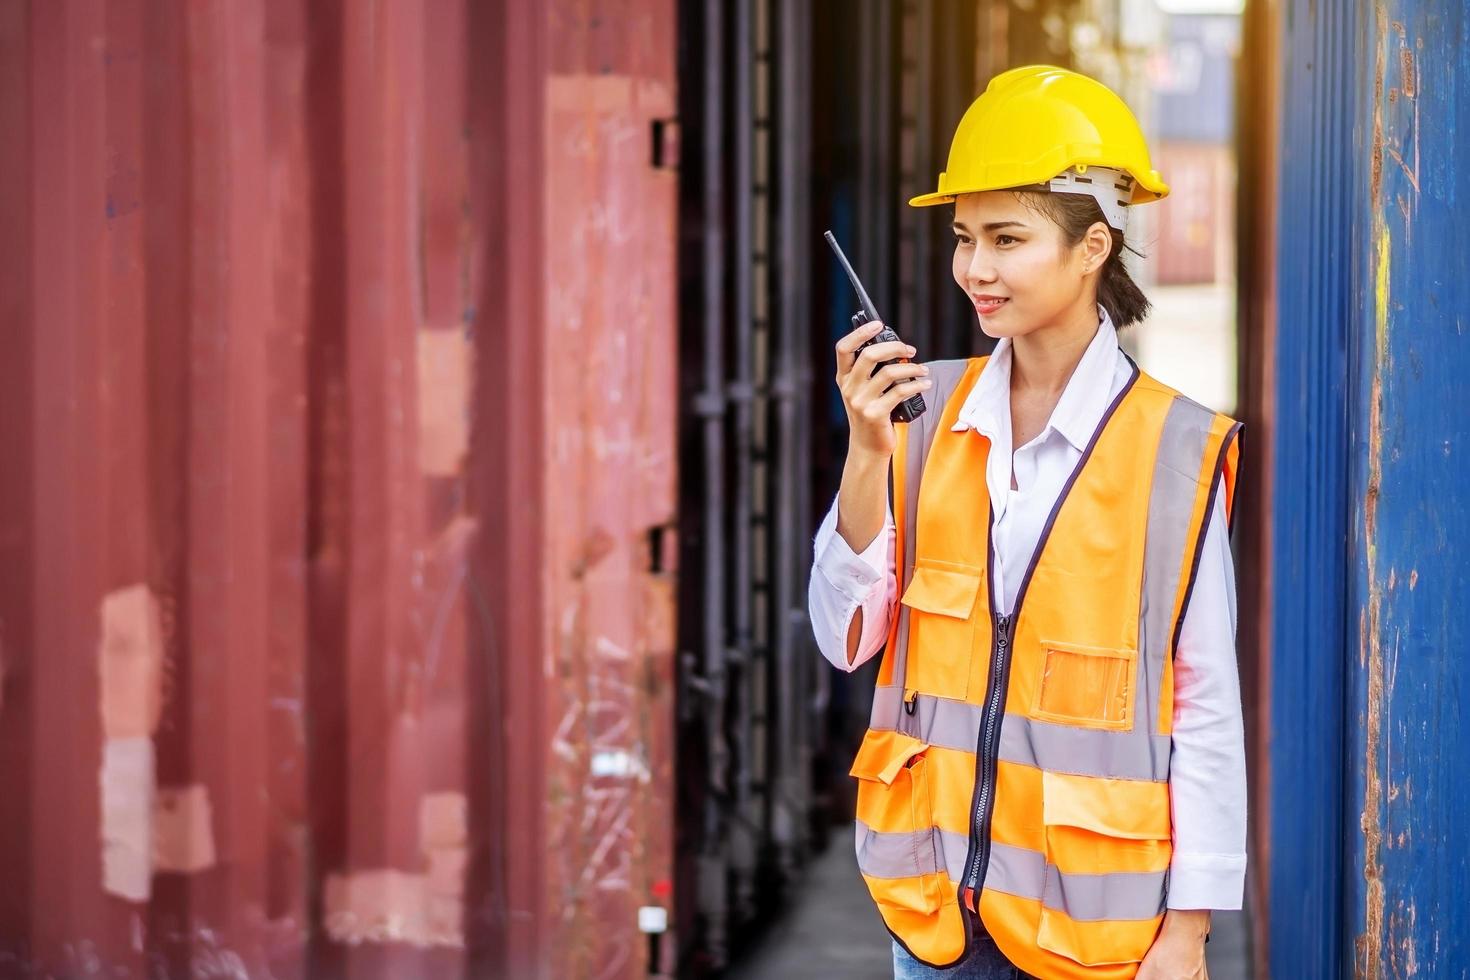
column 665, row 144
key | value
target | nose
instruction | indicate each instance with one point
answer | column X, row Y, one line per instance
column 981, row 269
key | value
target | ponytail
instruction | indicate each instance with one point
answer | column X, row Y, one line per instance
column 1116, row 290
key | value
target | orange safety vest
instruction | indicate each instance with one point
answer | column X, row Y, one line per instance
column 1026, row 757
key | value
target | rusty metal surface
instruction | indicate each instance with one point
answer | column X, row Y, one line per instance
column 607, row 393
column 336, row 612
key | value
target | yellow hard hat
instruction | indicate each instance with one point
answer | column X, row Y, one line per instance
column 1033, row 123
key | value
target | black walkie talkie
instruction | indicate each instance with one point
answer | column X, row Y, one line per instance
column 911, row 408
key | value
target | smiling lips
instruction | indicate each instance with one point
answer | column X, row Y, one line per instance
column 988, row 304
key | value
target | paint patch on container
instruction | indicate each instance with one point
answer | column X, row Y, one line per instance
column 183, row 829
column 387, row 906
column 130, row 658
column 375, row 906
column 127, row 786
column 446, row 871
column 444, row 839
column 418, row 908
column 446, row 367
column 443, row 821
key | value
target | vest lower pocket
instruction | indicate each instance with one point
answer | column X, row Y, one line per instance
column 1088, row 687
column 1096, row 943
column 1108, row 846
column 941, row 597
column 895, row 841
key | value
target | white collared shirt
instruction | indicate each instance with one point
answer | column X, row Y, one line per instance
column 1207, row 767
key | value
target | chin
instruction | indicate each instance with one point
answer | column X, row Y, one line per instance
column 996, row 330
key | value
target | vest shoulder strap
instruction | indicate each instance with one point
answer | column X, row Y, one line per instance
column 914, row 447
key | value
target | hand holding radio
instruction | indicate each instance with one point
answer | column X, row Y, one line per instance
column 879, row 384
column 875, row 377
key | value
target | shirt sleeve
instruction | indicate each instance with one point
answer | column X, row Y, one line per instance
column 1207, row 768
column 843, row 581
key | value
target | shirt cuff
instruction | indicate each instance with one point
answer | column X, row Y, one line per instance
column 850, row 573
column 1206, row 881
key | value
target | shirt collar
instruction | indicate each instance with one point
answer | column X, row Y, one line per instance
column 1078, row 411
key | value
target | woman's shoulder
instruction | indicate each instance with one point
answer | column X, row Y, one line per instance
column 949, row 372
column 1149, row 387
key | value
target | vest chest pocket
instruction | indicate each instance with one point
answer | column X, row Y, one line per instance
column 941, row 598
column 1088, row 687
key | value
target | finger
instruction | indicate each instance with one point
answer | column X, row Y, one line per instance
column 886, row 378
column 903, row 391
column 897, row 371
column 874, row 354
column 848, row 346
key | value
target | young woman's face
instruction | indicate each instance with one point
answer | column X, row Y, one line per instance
column 1008, row 252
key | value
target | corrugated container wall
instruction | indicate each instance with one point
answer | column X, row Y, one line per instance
column 1368, row 840
column 336, row 612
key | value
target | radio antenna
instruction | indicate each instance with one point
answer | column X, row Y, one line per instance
column 867, row 302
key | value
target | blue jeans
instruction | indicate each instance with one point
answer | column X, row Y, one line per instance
column 985, row 962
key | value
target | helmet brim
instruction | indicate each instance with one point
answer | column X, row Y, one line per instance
column 1143, row 193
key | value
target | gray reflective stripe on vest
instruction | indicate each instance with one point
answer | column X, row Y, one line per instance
column 1084, row 751
column 1170, row 506
column 945, row 375
column 1137, row 754
column 1119, row 895
column 903, row 855
column 937, row 721
column 1027, row 741
column 1013, row 870
column 1175, row 485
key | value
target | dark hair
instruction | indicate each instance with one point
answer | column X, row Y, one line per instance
column 1074, row 214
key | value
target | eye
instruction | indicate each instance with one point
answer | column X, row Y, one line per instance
column 961, row 239
column 1002, row 239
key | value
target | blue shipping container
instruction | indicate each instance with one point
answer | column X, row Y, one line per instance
column 1369, row 835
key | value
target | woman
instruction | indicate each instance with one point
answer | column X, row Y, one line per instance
column 1052, row 783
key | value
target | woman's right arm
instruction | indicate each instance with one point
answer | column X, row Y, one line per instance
column 850, row 595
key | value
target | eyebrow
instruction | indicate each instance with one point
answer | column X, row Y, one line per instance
column 991, row 227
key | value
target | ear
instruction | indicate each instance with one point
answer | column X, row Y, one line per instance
column 1096, row 245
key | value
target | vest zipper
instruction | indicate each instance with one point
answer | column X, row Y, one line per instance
column 987, row 748
column 986, row 752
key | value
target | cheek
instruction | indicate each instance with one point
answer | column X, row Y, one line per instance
column 1024, row 269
